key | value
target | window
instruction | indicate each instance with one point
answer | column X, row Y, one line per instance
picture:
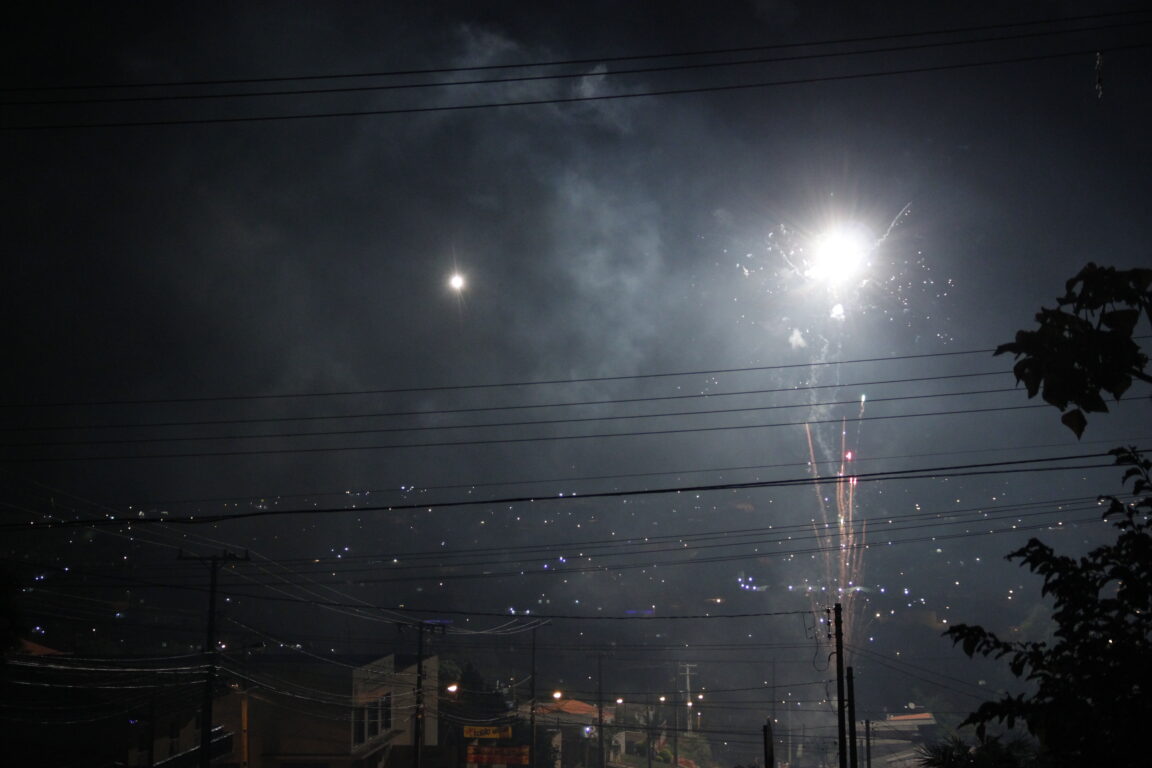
column 385, row 703
column 373, row 721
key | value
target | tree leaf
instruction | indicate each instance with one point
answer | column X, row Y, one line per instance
column 1075, row 421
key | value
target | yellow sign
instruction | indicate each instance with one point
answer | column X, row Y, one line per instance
column 487, row 731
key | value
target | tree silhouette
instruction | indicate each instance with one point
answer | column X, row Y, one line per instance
column 1085, row 346
column 953, row 752
column 1092, row 686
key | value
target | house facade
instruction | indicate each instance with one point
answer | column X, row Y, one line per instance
column 311, row 713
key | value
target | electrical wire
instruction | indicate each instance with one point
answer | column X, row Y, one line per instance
column 811, row 80
column 438, row 412
column 589, row 60
column 699, row 66
column 515, row 384
column 494, row 425
column 510, row 440
column 956, row 470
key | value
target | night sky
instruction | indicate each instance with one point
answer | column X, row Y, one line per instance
column 222, row 303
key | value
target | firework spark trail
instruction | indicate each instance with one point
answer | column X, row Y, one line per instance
column 840, row 536
column 895, row 223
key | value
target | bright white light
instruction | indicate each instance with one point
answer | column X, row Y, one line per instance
column 837, row 255
column 456, row 282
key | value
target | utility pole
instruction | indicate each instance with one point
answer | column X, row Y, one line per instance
column 868, row 744
column 418, row 714
column 773, row 690
column 852, row 720
column 600, row 706
column 675, row 732
column 532, row 712
column 210, row 652
column 152, row 731
column 769, row 746
column 840, row 700
column 688, row 688
column 651, row 717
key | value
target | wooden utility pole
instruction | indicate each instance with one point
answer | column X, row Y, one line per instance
column 210, row 652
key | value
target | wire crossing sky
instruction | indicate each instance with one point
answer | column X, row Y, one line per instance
column 646, row 333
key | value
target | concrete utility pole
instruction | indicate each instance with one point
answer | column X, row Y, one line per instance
column 532, row 712
column 600, row 706
column 651, row 717
column 688, row 688
column 418, row 714
column 210, row 652
column 841, row 703
column 851, row 720
column 769, row 746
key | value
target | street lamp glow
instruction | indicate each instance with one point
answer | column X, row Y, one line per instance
column 456, row 282
column 619, row 701
column 557, row 695
column 453, row 688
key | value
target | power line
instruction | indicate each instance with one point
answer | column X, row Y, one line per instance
column 644, row 546
column 530, row 614
column 493, row 408
column 487, row 425
column 916, row 473
column 436, row 571
column 586, row 60
column 648, row 544
column 1093, row 51
column 509, row 440
column 617, row 476
column 497, row 385
column 567, row 75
